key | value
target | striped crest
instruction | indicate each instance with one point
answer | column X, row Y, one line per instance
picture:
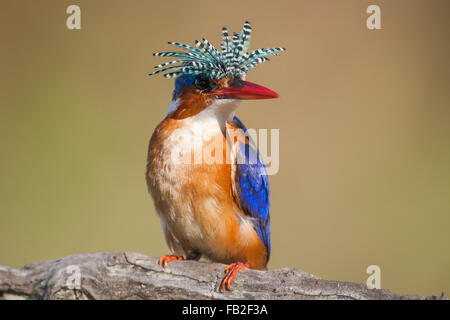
column 234, row 59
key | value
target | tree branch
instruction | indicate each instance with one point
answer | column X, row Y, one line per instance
column 110, row 275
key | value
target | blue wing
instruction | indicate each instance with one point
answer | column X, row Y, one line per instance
column 252, row 187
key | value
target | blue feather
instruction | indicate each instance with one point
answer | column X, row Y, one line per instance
column 184, row 80
column 253, row 189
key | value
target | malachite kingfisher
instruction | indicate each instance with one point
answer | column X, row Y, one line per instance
column 217, row 209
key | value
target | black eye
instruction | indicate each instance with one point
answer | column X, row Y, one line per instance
column 201, row 82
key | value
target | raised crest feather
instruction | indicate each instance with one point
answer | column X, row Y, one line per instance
column 234, row 59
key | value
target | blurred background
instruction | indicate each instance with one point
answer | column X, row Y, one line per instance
column 364, row 119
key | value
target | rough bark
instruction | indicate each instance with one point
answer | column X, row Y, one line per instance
column 110, row 275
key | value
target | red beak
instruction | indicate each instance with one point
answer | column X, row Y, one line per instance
column 244, row 90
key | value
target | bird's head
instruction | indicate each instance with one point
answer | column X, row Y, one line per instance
column 207, row 78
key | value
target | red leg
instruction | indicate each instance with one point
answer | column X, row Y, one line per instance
column 232, row 271
column 166, row 258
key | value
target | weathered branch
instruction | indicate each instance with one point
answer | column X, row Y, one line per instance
column 109, row 275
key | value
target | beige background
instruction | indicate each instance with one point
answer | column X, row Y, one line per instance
column 364, row 121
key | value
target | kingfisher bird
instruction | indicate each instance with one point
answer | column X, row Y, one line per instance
column 207, row 179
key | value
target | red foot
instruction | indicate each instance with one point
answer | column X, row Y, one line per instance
column 166, row 258
column 232, row 271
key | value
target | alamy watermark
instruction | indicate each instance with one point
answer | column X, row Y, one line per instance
column 74, row 279
column 236, row 147
column 374, row 280
column 73, row 21
column 373, row 22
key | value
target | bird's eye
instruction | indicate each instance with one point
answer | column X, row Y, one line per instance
column 201, row 82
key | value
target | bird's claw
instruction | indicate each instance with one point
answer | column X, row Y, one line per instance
column 231, row 272
column 166, row 258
